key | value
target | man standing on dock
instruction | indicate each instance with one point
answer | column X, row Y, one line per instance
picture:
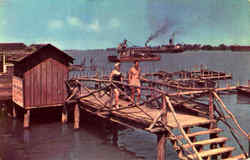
column 134, row 79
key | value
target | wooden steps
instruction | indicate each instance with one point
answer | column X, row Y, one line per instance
column 209, row 145
column 218, row 140
column 238, row 157
column 205, row 132
column 213, row 152
column 200, row 123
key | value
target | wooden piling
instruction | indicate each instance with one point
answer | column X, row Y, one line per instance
column 211, row 112
column 13, row 111
column 26, row 121
column 76, row 116
column 115, row 136
column 248, row 146
column 65, row 114
column 161, row 148
column 161, row 137
column 211, row 106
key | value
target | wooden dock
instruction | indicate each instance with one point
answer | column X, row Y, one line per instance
column 169, row 112
column 142, row 114
column 188, row 80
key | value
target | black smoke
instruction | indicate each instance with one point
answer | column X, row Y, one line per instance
column 167, row 27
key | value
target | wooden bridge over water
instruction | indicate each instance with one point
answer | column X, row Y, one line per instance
column 180, row 117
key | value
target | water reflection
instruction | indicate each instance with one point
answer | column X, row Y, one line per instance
column 13, row 126
column 26, row 136
column 65, row 129
column 76, row 145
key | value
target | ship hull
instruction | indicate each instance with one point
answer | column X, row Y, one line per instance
column 132, row 58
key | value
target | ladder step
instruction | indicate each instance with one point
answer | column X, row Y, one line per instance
column 199, row 123
column 207, row 141
column 213, row 152
column 199, row 133
column 238, row 157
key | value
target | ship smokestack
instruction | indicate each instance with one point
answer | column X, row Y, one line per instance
column 171, row 41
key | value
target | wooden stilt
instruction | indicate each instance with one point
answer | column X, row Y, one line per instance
column 9, row 109
column 115, row 136
column 249, row 146
column 76, row 116
column 211, row 109
column 26, row 121
column 13, row 111
column 65, row 114
column 161, row 141
column 2, row 107
column 212, row 125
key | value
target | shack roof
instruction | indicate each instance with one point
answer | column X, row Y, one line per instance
column 36, row 49
column 37, row 46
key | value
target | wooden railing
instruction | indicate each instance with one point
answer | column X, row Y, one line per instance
column 240, row 131
column 213, row 96
column 181, row 129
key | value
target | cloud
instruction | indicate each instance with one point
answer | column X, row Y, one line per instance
column 75, row 21
column 4, row 22
column 114, row 23
column 55, row 24
column 88, row 27
column 95, row 26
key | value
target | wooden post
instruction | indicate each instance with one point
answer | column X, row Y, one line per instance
column 161, row 141
column 4, row 64
column 13, row 111
column 211, row 109
column 65, row 114
column 115, row 136
column 164, row 109
column 212, row 125
column 26, row 121
column 161, row 137
column 248, row 146
column 211, row 106
column 76, row 116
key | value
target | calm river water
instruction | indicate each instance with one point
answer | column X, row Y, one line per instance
column 48, row 139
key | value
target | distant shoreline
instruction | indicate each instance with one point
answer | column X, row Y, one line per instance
column 186, row 47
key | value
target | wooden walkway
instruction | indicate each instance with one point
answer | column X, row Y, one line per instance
column 161, row 113
column 137, row 114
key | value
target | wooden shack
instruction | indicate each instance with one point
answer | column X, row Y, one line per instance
column 39, row 79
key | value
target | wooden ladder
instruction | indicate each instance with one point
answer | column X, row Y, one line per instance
column 209, row 144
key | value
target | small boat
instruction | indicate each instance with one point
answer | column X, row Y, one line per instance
column 126, row 54
column 134, row 57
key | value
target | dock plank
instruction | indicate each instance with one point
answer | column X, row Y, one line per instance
column 138, row 115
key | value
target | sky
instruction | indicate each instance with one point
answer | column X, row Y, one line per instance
column 100, row 24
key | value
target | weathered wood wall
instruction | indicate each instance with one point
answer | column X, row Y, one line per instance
column 45, row 84
column 44, row 73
